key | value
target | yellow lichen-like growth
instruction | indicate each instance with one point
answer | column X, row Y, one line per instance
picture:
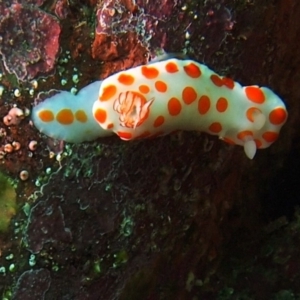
column 7, row 202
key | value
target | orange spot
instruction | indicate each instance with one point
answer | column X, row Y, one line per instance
column 65, row 116
column 192, row 70
column 149, row 72
column 242, row 134
column 81, row 116
column 270, row 136
column 203, row 105
column 126, row 79
column 108, row 92
column 189, row 95
column 216, row 80
column 160, row 86
column 159, row 121
column 144, row 89
column 228, row 82
column 250, row 113
column 228, row 140
column 110, row 126
column 222, row 104
column 46, row 115
column 100, row 115
column 258, row 143
column 215, row 127
column 171, row 67
column 255, row 94
column 174, row 106
column 124, row 135
column 277, row 116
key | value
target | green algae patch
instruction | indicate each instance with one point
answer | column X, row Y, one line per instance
column 7, row 202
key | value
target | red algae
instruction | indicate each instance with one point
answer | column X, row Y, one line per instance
column 34, row 37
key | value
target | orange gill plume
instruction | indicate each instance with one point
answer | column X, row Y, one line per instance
column 133, row 108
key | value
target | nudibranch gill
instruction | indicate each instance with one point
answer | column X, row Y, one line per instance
column 163, row 97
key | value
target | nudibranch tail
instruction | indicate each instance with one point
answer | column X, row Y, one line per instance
column 69, row 117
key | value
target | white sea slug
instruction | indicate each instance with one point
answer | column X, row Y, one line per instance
column 162, row 97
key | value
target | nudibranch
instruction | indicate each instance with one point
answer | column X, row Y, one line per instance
column 163, row 97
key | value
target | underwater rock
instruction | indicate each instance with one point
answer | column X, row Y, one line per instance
column 32, row 285
column 34, row 37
